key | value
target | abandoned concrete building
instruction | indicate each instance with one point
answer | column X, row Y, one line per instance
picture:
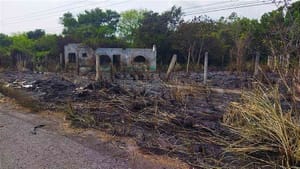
column 121, row 59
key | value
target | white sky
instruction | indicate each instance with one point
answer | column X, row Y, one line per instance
column 25, row 15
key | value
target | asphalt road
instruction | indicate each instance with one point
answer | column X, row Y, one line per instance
column 20, row 149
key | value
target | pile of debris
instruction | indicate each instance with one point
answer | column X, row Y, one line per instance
column 46, row 87
column 53, row 89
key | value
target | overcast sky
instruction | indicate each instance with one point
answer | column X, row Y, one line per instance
column 24, row 15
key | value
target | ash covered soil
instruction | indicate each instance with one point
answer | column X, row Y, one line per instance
column 176, row 118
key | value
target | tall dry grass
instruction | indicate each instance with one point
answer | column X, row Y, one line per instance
column 79, row 120
column 264, row 129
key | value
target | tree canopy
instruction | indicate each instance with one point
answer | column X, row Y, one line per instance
column 231, row 40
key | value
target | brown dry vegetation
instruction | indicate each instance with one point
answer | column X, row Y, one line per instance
column 265, row 131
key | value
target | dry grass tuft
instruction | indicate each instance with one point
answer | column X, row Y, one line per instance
column 79, row 120
column 180, row 94
column 264, row 129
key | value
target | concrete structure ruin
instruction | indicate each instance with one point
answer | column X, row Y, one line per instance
column 121, row 59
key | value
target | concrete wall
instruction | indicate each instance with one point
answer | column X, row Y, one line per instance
column 127, row 56
column 80, row 50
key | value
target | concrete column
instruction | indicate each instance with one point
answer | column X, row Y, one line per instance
column 171, row 65
column 112, row 72
column 205, row 68
column 153, row 61
column 256, row 63
column 61, row 60
column 154, row 48
column 98, row 71
column 77, row 63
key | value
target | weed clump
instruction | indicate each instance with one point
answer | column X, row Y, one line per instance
column 79, row 120
column 265, row 130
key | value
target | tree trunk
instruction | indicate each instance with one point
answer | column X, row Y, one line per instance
column 222, row 64
column 199, row 54
column 231, row 60
column 193, row 52
column 256, row 63
column 238, row 61
column 205, row 68
column 188, row 61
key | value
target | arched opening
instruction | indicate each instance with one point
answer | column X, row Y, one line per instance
column 139, row 65
column 139, row 59
column 105, row 60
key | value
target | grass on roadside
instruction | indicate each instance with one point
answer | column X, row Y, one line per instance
column 265, row 130
column 79, row 120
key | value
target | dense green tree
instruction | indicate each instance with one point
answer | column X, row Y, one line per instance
column 129, row 22
column 36, row 34
column 69, row 22
column 97, row 18
column 5, row 43
column 241, row 35
column 95, row 27
column 47, row 46
column 195, row 38
column 158, row 29
column 281, row 32
column 22, row 45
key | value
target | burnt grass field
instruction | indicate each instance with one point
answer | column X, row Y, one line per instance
column 180, row 118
